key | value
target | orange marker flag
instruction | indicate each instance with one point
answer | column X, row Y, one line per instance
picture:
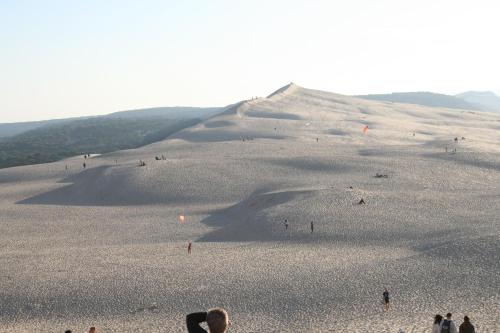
column 182, row 218
column 365, row 129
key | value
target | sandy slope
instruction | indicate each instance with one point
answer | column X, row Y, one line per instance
column 103, row 246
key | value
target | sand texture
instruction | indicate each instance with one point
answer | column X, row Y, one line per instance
column 104, row 246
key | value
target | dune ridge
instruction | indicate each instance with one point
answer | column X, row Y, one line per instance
column 104, row 245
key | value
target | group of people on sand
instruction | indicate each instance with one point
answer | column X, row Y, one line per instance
column 218, row 321
column 447, row 325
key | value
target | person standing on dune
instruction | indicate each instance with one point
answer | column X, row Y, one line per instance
column 466, row 326
column 286, row 224
column 436, row 327
column 312, row 227
column 387, row 304
column 189, row 247
column 448, row 325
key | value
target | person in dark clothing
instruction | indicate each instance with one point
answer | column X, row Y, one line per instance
column 386, row 300
column 312, row 227
column 217, row 321
column 448, row 325
column 466, row 326
column 286, row 224
column 84, row 165
column 189, row 247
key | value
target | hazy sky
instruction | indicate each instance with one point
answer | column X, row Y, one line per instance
column 72, row 58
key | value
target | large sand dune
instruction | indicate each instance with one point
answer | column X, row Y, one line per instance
column 103, row 246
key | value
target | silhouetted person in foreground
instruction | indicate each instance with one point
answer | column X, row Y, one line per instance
column 67, row 331
column 387, row 303
column 84, row 165
column 466, row 326
column 217, row 321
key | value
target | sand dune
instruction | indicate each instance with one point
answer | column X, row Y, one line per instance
column 104, row 245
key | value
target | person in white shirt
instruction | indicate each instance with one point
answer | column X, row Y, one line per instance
column 438, row 321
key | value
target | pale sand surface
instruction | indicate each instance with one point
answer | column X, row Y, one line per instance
column 104, row 246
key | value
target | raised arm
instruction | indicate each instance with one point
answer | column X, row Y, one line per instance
column 193, row 321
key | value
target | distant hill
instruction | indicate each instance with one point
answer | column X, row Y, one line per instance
column 424, row 98
column 48, row 141
column 487, row 100
column 94, row 135
column 11, row 129
column 175, row 112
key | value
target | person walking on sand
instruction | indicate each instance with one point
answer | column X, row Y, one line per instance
column 466, row 326
column 286, row 224
column 189, row 247
column 217, row 321
column 312, row 227
column 438, row 321
column 448, row 325
column 387, row 303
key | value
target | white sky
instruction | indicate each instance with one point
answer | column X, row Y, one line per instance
column 74, row 58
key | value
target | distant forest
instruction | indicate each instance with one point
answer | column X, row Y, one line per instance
column 92, row 135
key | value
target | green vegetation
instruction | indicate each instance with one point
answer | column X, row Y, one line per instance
column 92, row 135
